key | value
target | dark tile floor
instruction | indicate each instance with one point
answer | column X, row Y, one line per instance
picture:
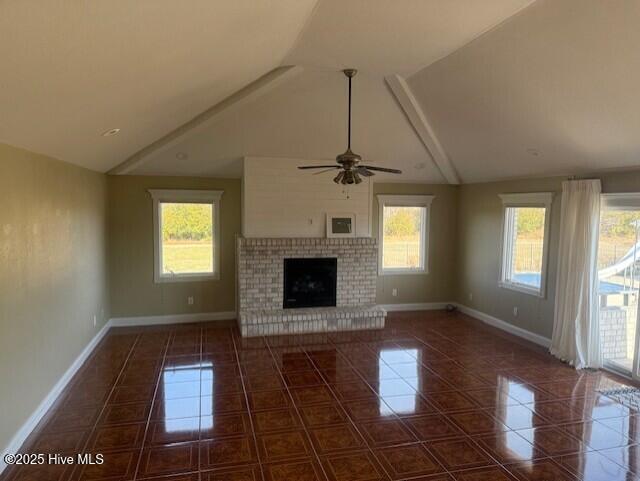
column 435, row 396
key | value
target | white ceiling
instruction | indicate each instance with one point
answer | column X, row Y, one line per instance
column 561, row 78
column 74, row 69
column 494, row 79
column 304, row 118
column 394, row 36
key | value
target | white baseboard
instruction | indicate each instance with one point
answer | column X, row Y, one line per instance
column 172, row 319
column 505, row 326
column 26, row 429
column 418, row 306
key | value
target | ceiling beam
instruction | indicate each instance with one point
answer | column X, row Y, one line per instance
column 409, row 104
column 246, row 94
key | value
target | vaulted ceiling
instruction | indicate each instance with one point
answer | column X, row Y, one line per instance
column 503, row 88
column 72, row 70
column 552, row 91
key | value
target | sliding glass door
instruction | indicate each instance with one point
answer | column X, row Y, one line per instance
column 619, row 281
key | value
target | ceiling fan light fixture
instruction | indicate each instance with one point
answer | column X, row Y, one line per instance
column 348, row 177
column 348, row 161
column 348, row 157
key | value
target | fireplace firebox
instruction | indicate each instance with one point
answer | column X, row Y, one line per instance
column 310, row 282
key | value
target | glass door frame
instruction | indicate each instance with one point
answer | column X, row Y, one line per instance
column 623, row 202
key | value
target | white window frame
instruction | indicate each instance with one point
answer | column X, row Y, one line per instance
column 536, row 200
column 160, row 196
column 621, row 201
column 424, row 201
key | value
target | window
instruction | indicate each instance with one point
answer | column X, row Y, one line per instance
column 619, row 281
column 402, row 233
column 186, row 234
column 526, row 235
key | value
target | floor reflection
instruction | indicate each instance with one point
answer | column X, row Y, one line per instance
column 518, row 391
column 515, row 446
column 398, row 370
column 593, row 465
column 515, row 416
column 308, row 402
column 188, row 392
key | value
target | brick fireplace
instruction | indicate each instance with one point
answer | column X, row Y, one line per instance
column 261, row 303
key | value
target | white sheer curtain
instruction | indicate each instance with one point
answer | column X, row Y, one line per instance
column 576, row 333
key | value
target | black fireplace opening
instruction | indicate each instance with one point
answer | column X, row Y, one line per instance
column 310, row 282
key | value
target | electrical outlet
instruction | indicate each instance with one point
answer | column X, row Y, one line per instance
column 190, row 300
column 471, row 296
column 95, row 320
column 515, row 311
column 394, row 292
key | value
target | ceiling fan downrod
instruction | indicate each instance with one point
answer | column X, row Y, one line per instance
column 348, row 161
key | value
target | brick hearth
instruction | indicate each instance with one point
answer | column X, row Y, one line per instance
column 260, row 286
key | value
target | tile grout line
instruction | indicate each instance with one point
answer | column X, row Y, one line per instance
column 76, row 467
column 153, row 402
column 295, row 407
column 9, row 472
column 461, row 360
column 463, row 434
column 380, row 399
column 443, row 413
column 246, row 400
column 351, row 420
column 503, row 466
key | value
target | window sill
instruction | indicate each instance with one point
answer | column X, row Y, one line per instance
column 403, row 272
column 187, row 278
column 522, row 289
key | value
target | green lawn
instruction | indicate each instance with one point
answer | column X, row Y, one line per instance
column 528, row 255
column 187, row 257
column 181, row 257
column 401, row 253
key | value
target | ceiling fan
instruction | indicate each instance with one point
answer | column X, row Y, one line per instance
column 349, row 162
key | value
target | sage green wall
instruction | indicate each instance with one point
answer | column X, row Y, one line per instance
column 480, row 239
column 438, row 285
column 65, row 257
column 133, row 291
column 480, row 215
column 53, row 276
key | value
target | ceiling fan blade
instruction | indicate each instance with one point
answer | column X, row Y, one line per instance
column 383, row 169
column 327, row 170
column 364, row 172
column 318, row 166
